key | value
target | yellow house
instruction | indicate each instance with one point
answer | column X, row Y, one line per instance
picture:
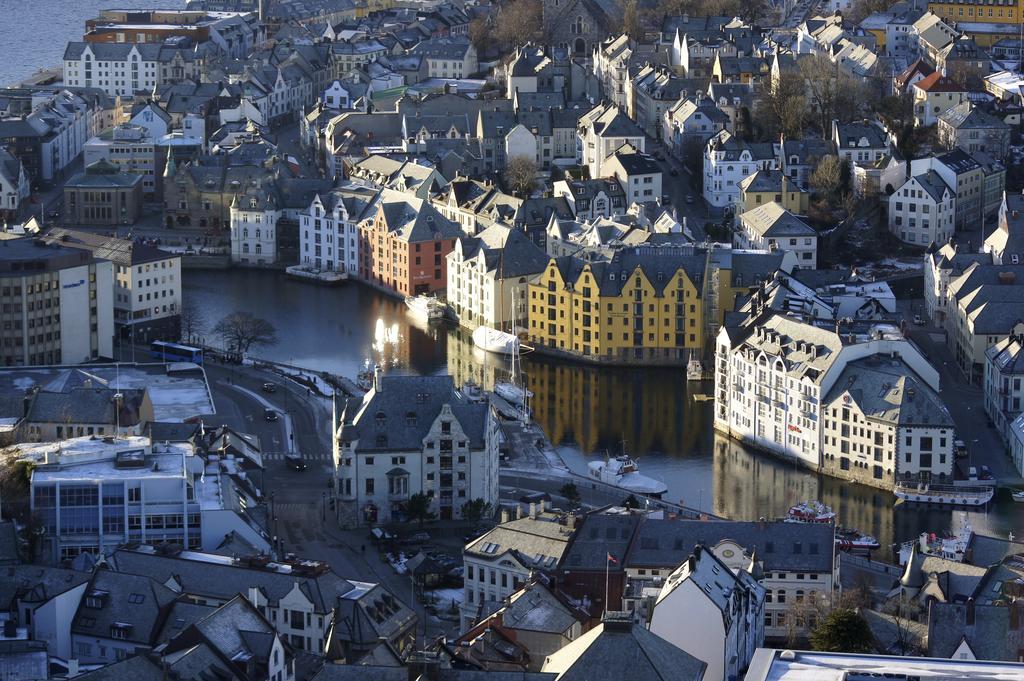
column 642, row 306
column 991, row 12
column 766, row 186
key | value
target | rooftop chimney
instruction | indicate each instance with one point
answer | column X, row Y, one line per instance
column 378, row 383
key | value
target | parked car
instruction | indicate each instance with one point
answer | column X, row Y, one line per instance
column 294, row 462
column 477, row 533
column 918, row 320
column 269, row 415
column 986, row 474
column 270, row 387
column 417, row 538
column 689, row 199
column 959, row 449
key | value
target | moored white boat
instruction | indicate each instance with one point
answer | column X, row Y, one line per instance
column 848, row 539
column 512, row 393
column 1018, row 495
column 495, row 340
column 425, row 307
column 952, row 495
column 694, row 370
column 308, row 273
column 810, row 511
column 622, row 471
column 950, row 546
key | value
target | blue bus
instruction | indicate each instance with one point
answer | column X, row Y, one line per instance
column 174, row 352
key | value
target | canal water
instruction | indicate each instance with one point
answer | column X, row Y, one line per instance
column 587, row 411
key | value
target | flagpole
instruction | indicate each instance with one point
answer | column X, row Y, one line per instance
column 606, row 561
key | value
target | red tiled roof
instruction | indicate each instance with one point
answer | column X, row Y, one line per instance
column 938, row 83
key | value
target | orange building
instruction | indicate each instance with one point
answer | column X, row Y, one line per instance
column 403, row 245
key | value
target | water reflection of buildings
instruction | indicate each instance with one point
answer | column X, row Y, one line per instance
column 466, row 362
column 598, row 407
column 748, row 485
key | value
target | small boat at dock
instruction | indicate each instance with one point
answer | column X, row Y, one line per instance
column 308, row 273
column 495, row 340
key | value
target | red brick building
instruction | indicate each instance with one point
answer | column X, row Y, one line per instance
column 404, row 244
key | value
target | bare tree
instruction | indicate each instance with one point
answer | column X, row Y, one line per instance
column 480, row 33
column 193, row 319
column 832, row 93
column 241, row 330
column 632, row 25
column 518, row 22
column 864, row 8
column 521, row 174
column 785, row 105
column 827, row 177
column 903, row 615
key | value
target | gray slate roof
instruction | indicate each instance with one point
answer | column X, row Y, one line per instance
column 404, row 410
column 988, row 635
column 508, row 252
column 781, row 546
column 623, row 650
column 891, row 394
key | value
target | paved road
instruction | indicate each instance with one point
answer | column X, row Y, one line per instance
column 965, row 401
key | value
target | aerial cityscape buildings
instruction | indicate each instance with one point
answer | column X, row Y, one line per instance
column 402, row 339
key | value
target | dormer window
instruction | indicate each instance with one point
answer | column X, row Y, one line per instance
column 120, row 630
column 381, row 419
column 252, row 203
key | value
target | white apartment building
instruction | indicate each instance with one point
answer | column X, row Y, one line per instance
column 602, row 131
column 883, row 425
column 147, row 282
column 448, row 57
column 413, row 435
column 727, row 161
column 58, row 304
column 638, row 173
column 488, row 277
column 770, row 226
column 862, row 143
column 771, row 379
column 497, row 564
column 1004, row 382
column 14, row 187
column 711, row 612
column 328, row 230
column 122, row 69
column 254, row 217
column 96, row 494
column 50, row 136
column 923, row 210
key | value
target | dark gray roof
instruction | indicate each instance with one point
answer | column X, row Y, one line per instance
column 850, row 134
column 222, row 582
column 890, row 393
column 86, row 405
column 988, row 634
column 358, row 672
column 623, row 650
column 134, row 600
column 987, row 550
column 507, row 251
column 399, row 416
column 781, row 546
column 36, row 583
column 967, row 115
column 138, row 668
column 599, row 535
column 934, row 184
